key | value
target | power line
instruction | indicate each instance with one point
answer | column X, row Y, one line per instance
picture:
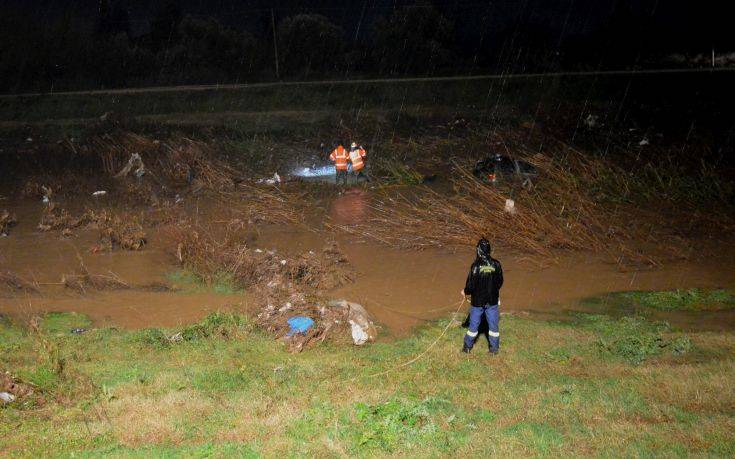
column 230, row 87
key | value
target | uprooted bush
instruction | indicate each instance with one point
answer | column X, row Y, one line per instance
column 123, row 231
column 162, row 168
column 210, row 254
column 577, row 200
column 83, row 281
column 24, row 394
column 13, row 283
column 7, row 221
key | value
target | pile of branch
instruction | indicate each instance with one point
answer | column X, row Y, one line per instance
column 330, row 321
column 54, row 217
column 560, row 212
column 263, row 204
column 176, row 162
column 7, row 221
column 120, row 231
column 12, row 282
column 83, row 281
column 211, row 254
column 123, row 231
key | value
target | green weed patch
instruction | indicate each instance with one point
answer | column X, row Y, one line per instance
column 684, row 300
column 634, row 339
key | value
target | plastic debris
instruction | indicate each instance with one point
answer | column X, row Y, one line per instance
column 643, row 142
column 299, row 325
column 134, row 161
column 359, row 334
column 99, row 193
column 591, row 121
column 359, row 320
column 276, row 179
column 78, row 331
column 7, row 397
column 510, row 206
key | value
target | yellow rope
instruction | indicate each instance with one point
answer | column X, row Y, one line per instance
column 413, row 360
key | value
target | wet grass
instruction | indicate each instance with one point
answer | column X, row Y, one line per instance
column 667, row 300
column 595, row 385
column 187, row 281
column 684, row 300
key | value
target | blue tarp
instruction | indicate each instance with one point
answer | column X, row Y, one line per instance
column 299, row 324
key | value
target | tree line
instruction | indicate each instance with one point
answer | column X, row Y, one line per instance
column 178, row 49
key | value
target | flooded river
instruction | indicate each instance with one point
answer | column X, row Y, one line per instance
column 401, row 288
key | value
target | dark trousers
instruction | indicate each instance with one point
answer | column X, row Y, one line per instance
column 341, row 175
column 492, row 314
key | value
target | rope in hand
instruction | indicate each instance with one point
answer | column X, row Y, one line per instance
column 413, row 360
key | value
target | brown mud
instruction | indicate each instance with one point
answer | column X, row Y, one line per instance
column 400, row 288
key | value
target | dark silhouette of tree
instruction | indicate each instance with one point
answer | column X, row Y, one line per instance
column 413, row 40
column 208, row 52
column 165, row 25
column 112, row 19
column 310, row 44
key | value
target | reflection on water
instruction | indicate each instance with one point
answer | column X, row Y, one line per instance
column 350, row 207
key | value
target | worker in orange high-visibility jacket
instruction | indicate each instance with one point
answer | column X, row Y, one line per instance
column 357, row 157
column 340, row 156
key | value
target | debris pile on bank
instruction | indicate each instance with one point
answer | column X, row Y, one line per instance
column 7, row 221
column 83, row 281
column 333, row 319
column 16, row 392
column 115, row 230
column 287, row 287
column 12, row 283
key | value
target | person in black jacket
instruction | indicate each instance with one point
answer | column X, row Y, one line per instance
column 483, row 284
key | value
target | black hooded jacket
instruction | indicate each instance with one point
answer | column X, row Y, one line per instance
column 484, row 282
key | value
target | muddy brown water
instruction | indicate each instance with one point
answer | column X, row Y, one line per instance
column 401, row 288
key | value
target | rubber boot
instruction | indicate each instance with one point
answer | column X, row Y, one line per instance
column 466, row 349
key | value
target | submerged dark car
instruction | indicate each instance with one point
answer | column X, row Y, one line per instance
column 500, row 167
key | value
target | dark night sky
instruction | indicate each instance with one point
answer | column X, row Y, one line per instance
column 694, row 25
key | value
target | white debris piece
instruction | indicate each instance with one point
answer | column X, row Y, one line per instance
column 643, row 142
column 362, row 328
column 276, row 179
column 359, row 335
column 591, row 121
column 510, row 206
column 7, row 397
column 99, row 193
column 134, row 161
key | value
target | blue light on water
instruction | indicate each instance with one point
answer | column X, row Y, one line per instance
column 315, row 171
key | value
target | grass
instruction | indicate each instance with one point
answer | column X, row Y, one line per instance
column 189, row 282
column 684, row 300
column 591, row 386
